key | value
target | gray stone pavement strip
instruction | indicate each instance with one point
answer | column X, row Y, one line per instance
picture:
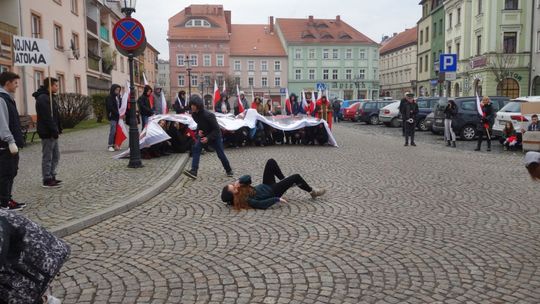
column 95, row 187
column 420, row 224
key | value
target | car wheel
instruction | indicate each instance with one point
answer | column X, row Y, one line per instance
column 395, row 123
column 374, row 120
column 468, row 132
column 422, row 125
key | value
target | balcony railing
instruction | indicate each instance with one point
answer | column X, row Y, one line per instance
column 93, row 64
column 91, row 25
column 104, row 33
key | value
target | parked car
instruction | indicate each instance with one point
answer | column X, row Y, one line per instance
column 369, row 111
column 389, row 115
column 428, row 122
column 426, row 105
column 350, row 112
column 467, row 118
column 512, row 112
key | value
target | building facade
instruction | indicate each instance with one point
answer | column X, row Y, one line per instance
column 424, row 57
column 398, row 64
column 258, row 60
column 437, row 47
column 496, row 54
column 535, row 42
column 163, row 78
column 332, row 53
column 199, row 48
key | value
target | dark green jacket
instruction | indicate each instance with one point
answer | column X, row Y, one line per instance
column 264, row 196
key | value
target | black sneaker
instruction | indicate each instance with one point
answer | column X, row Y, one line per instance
column 50, row 184
column 230, row 173
column 12, row 206
column 57, row 180
column 190, row 173
column 413, row 144
column 406, row 144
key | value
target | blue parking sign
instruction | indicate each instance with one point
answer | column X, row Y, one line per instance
column 448, row 62
column 321, row 86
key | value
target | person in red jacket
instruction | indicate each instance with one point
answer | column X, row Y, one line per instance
column 324, row 110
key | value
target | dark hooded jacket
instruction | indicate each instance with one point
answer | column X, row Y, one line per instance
column 206, row 120
column 224, row 99
column 296, row 105
column 112, row 104
column 48, row 126
column 144, row 104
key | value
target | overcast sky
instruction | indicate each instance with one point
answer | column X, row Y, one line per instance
column 372, row 18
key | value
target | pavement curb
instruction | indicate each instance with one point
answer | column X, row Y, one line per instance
column 119, row 208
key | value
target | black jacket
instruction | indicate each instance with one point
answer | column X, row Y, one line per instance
column 48, row 126
column 112, row 103
column 220, row 103
column 207, row 122
column 450, row 112
column 144, row 106
column 402, row 104
column 410, row 109
column 490, row 116
column 14, row 123
column 180, row 105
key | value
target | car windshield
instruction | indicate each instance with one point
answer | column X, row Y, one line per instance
column 512, row 107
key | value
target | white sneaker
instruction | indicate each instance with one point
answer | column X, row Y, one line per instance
column 53, row 300
column 111, row 149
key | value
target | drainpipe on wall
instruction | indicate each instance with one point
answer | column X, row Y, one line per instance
column 532, row 49
column 23, row 68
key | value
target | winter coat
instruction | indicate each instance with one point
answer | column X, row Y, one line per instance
column 450, row 112
column 207, row 122
column 10, row 127
column 112, row 104
column 180, row 105
column 336, row 106
column 158, row 107
column 264, row 196
column 488, row 118
column 48, row 126
column 144, row 106
column 219, row 105
column 410, row 109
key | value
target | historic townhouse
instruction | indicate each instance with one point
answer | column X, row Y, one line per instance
column 424, row 57
column 535, row 54
column 258, row 60
column 331, row 53
column 398, row 64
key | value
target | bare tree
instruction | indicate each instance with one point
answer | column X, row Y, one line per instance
column 500, row 65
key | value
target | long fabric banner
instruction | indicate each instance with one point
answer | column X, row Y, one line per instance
column 153, row 133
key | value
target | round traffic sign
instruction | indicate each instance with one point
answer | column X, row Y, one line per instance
column 128, row 34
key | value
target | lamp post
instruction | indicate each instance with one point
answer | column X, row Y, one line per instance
column 189, row 77
column 358, row 82
column 128, row 8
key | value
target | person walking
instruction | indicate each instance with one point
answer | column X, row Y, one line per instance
column 145, row 105
column 158, row 106
column 336, row 106
column 410, row 110
column 408, row 96
column 485, row 124
column 11, row 140
column 112, row 104
column 450, row 113
column 241, row 195
column 49, row 129
column 180, row 104
column 207, row 133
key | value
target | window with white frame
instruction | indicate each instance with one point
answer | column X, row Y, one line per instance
column 36, row 26
column 311, row 74
column 194, row 60
column 458, row 22
column 361, row 74
column 297, row 53
column 277, row 65
column 326, row 53
column 348, row 74
column 325, row 74
column 219, row 79
column 180, row 60
column 61, row 83
column 181, row 81
column 335, row 53
column 335, row 74
column 450, row 20
column 38, row 79
column 237, row 65
column 77, row 84
column 264, row 65
column 277, row 81
column 375, row 76
column 58, row 37
column 538, row 39
column 198, row 23
column 264, row 82
column 74, row 7
column 348, row 54
column 251, row 65
column 312, row 54
column 194, row 80
column 207, row 60
column 297, row 74
column 237, row 81
column 220, row 60
column 362, row 54
column 250, row 81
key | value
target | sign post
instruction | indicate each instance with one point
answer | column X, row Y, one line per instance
column 130, row 40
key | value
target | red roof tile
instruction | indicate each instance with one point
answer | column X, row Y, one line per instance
column 255, row 40
column 218, row 18
column 405, row 38
column 311, row 30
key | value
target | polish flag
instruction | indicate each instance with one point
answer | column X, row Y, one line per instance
column 240, row 105
column 217, row 95
column 164, row 109
column 144, row 78
column 288, row 105
column 224, row 87
column 479, row 105
column 304, row 100
column 121, row 128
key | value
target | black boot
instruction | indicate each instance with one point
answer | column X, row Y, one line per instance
column 453, row 144
column 448, row 143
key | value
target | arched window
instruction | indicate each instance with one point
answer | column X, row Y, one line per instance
column 456, row 90
column 478, row 87
column 198, row 23
column 508, row 87
column 536, row 86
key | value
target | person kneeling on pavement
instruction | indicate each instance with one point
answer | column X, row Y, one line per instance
column 532, row 163
column 241, row 195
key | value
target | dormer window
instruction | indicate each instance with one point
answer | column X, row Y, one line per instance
column 344, row 36
column 307, row 35
column 326, row 36
column 198, row 23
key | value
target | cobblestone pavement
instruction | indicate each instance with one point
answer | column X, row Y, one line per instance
column 420, row 224
column 92, row 179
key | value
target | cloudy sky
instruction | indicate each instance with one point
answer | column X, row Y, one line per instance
column 373, row 18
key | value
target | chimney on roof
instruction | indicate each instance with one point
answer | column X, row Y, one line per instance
column 311, row 19
column 271, row 24
column 220, row 10
column 395, row 34
column 188, row 10
column 338, row 19
column 228, row 20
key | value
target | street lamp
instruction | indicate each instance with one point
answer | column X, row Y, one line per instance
column 128, row 7
column 358, row 83
column 189, row 77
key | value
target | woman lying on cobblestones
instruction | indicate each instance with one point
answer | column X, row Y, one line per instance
column 532, row 163
column 241, row 195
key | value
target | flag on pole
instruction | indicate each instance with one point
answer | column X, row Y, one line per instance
column 252, row 95
column 217, row 95
column 224, row 87
column 479, row 105
column 121, row 129
column 144, row 78
column 319, row 95
column 240, row 105
column 164, row 109
column 288, row 105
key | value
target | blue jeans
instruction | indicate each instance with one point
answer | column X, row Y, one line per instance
column 144, row 121
column 217, row 145
column 336, row 116
column 112, row 132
